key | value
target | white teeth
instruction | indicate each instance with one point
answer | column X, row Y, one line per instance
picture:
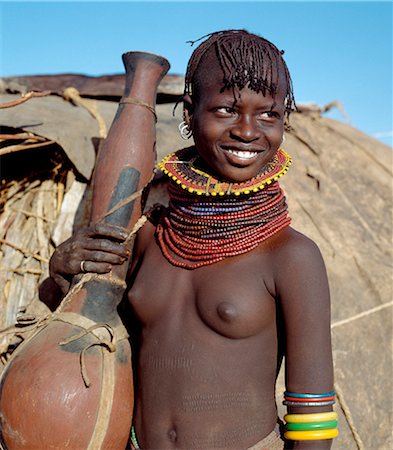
column 243, row 154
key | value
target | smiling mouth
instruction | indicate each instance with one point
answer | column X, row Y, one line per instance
column 242, row 154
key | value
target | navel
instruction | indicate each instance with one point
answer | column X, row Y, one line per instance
column 227, row 311
column 172, row 435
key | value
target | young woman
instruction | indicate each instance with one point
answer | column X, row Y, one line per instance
column 220, row 284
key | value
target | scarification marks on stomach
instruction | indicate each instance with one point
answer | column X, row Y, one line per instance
column 171, row 363
column 215, row 401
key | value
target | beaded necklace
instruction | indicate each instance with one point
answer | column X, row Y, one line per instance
column 180, row 167
column 200, row 230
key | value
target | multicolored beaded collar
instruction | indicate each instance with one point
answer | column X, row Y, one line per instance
column 197, row 231
column 179, row 166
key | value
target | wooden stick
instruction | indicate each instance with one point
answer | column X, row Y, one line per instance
column 19, row 147
column 24, row 251
column 31, row 214
column 21, row 136
column 21, row 271
column 24, row 98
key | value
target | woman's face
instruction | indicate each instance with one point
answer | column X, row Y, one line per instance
column 236, row 132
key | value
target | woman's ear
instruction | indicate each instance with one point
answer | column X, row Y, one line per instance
column 188, row 110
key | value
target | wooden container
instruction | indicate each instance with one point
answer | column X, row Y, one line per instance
column 70, row 384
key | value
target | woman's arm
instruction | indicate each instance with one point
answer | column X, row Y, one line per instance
column 303, row 292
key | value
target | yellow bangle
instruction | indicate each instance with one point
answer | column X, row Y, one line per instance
column 311, row 435
column 317, row 417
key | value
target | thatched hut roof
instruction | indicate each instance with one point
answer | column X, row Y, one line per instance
column 339, row 192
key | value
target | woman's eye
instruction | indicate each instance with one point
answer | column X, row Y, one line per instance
column 269, row 115
column 227, row 110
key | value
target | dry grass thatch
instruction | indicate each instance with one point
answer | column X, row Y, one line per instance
column 31, row 196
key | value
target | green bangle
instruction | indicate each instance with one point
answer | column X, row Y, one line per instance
column 306, row 426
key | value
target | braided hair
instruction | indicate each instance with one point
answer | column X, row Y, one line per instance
column 245, row 60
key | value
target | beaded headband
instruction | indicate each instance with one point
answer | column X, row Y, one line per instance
column 179, row 166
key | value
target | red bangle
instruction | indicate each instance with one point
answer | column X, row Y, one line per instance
column 311, row 399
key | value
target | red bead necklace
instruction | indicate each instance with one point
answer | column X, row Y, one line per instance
column 197, row 231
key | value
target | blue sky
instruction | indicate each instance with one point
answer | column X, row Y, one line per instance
column 335, row 50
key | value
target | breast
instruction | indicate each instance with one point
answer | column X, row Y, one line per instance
column 160, row 291
column 233, row 300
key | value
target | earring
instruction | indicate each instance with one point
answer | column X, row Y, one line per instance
column 282, row 140
column 184, row 130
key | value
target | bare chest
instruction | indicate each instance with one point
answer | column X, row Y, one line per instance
column 230, row 298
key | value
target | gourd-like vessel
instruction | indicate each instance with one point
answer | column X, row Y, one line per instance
column 70, row 384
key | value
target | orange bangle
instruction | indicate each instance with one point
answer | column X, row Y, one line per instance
column 311, row 435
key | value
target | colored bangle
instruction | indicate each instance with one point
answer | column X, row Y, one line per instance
column 311, row 435
column 311, row 399
column 287, row 403
column 313, row 417
column 309, row 426
column 300, row 404
column 292, row 394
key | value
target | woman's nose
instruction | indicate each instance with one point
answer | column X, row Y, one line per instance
column 245, row 129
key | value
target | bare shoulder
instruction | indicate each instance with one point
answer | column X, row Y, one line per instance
column 299, row 267
column 292, row 247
